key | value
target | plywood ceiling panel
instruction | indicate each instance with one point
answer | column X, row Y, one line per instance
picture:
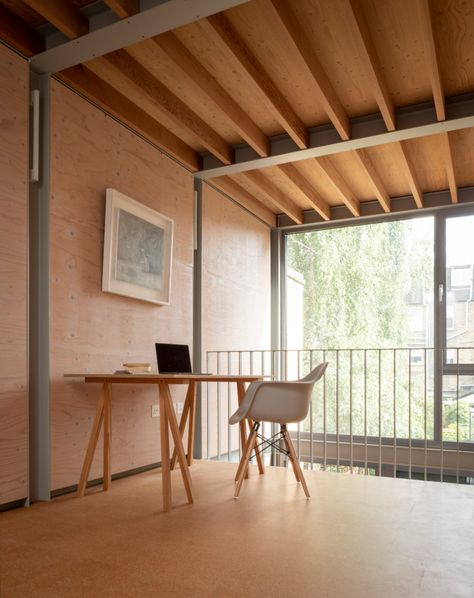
column 454, row 30
column 262, row 31
column 228, row 75
column 350, row 170
column 101, row 68
column 163, row 68
column 385, row 159
column 276, row 176
column 320, row 182
column 429, row 162
column 395, row 32
column 253, row 190
column 462, row 144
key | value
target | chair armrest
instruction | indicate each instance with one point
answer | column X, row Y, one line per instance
column 261, row 386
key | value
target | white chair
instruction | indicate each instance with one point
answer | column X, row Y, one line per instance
column 280, row 403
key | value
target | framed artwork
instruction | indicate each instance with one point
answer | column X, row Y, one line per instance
column 138, row 249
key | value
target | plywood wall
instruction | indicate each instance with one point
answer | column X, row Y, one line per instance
column 236, row 276
column 13, row 276
column 95, row 331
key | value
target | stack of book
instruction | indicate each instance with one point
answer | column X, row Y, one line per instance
column 137, row 368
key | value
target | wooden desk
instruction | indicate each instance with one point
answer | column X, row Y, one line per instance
column 168, row 422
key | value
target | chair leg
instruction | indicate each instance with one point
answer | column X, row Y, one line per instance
column 294, row 460
column 245, row 457
column 293, row 463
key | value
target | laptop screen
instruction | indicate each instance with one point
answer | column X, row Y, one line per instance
column 173, row 359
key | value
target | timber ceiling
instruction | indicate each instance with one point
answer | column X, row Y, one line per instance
column 287, row 106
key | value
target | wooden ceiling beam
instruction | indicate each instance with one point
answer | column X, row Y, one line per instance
column 374, row 179
column 274, row 195
column 449, row 164
column 325, row 92
column 19, row 34
column 221, row 30
column 409, row 171
column 124, row 8
column 426, row 27
column 245, row 199
column 63, row 15
column 316, row 201
column 103, row 94
column 338, row 184
column 241, row 122
column 368, row 53
column 169, row 103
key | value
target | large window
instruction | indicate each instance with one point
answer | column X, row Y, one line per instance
column 391, row 306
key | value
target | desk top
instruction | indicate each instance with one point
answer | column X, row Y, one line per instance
column 154, row 378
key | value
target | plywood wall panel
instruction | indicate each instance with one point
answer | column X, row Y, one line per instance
column 236, row 277
column 95, row 331
column 13, row 276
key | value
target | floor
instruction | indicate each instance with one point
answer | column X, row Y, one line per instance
column 357, row 537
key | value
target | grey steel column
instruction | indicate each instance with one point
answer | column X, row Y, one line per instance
column 197, row 312
column 277, row 270
column 39, row 303
column 276, row 297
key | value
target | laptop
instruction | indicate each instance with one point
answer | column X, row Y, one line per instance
column 174, row 359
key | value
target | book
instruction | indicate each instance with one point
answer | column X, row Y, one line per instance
column 137, row 368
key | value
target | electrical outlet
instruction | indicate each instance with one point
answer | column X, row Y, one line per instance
column 155, row 410
column 179, row 408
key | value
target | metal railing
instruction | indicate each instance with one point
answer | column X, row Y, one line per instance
column 401, row 412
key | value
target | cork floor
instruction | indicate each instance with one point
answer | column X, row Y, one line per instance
column 357, row 537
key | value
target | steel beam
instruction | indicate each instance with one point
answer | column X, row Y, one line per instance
column 372, row 209
column 414, row 121
column 165, row 16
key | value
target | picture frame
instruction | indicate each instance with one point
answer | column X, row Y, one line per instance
column 138, row 249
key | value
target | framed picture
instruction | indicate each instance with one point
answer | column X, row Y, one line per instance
column 138, row 248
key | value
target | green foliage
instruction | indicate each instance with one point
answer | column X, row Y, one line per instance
column 355, row 280
column 355, row 283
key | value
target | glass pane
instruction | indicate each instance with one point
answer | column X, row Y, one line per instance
column 459, row 289
column 458, row 408
column 364, row 295
column 361, row 287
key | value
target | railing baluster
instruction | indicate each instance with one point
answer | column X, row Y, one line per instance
column 366, row 464
column 337, row 409
column 218, row 408
column 311, row 443
column 425, row 431
column 380, row 408
column 298, row 446
column 442, row 360
column 394, row 413
column 229, row 407
column 409, row 414
column 240, row 374
column 324, row 419
column 351, row 446
column 208, row 412
column 457, row 417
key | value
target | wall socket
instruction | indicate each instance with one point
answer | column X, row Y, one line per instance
column 155, row 410
column 179, row 408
